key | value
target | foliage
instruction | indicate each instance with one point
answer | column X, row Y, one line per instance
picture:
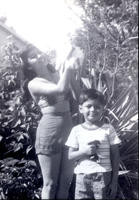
column 110, row 36
column 109, row 39
column 19, row 174
column 20, row 179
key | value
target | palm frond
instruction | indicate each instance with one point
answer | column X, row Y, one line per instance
column 121, row 98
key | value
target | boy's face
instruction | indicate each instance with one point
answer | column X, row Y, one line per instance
column 92, row 110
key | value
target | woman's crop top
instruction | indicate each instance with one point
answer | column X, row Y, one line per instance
column 59, row 101
column 45, row 101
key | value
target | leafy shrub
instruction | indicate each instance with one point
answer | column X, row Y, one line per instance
column 20, row 176
column 110, row 37
column 20, row 179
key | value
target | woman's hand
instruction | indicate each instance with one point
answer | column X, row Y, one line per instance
column 75, row 60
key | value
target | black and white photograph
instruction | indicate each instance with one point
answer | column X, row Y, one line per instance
column 68, row 99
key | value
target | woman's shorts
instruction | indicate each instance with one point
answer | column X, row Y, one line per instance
column 52, row 133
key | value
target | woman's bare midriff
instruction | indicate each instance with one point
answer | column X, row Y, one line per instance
column 60, row 107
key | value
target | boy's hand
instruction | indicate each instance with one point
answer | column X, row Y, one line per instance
column 112, row 190
column 89, row 149
column 95, row 142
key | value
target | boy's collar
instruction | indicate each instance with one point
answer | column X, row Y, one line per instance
column 93, row 126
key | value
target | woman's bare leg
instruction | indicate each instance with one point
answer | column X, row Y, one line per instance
column 50, row 170
column 65, row 177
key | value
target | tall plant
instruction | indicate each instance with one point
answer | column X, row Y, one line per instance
column 110, row 36
column 18, row 121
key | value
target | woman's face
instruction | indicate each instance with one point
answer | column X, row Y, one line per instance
column 34, row 58
column 39, row 63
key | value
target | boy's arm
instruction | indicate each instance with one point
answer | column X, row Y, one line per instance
column 76, row 154
column 115, row 159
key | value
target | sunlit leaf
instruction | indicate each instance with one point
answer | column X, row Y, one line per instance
column 17, row 123
column 32, row 163
column 18, row 147
column 123, row 172
column 1, row 138
column 11, row 162
column 86, row 82
column 113, row 114
column 29, row 148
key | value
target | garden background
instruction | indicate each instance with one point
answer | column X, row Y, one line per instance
column 109, row 39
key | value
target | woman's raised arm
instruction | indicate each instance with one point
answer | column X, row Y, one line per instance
column 37, row 87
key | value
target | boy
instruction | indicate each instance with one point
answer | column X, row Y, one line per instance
column 94, row 145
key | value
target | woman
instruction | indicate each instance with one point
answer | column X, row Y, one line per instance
column 50, row 91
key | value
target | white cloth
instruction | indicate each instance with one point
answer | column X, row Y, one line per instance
column 81, row 136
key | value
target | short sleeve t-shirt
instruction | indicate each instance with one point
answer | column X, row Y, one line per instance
column 80, row 136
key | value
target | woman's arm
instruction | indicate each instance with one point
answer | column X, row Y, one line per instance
column 75, row 86
column 37, row 87
column 76, row 60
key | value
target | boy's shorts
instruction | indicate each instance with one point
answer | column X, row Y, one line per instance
column 92, row 186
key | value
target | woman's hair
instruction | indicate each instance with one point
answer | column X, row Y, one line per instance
column 28, row 73
column 92, row 94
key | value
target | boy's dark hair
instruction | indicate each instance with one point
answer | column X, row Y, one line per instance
column 92, row 94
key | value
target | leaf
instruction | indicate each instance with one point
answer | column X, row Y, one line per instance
column 127, row 109
column 113, row 114
column 129, row 148
column 121, row 98
column 29, row 148
column 18, row 147
column 23, row 112
column 1, row 138
column 133, row 175
column 2, row 195
column 124, row 122
column 125, row 101
column 37, row 196
column 129, row 156
column 32, row 163
column 86, row 82
column 134, row 118
column 130, row 123
column 22, row 163
column 17, row 123
column 123, row 172
column 12, row 162
column 20, row 138
column 99, row 86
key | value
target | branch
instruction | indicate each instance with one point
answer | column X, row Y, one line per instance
column 115, row 71
column 129, row 39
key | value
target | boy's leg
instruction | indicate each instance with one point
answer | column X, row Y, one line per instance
column 107, row 181
column 83, row 189
column 50, row 169
column 100, row 185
